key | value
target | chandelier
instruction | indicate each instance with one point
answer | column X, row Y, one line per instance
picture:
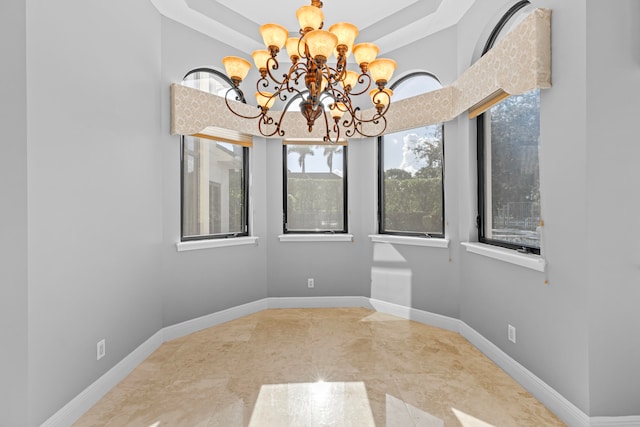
column 313, row 79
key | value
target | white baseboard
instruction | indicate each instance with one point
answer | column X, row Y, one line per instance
column 633, row 421
column 73, row 410
column 560, row 406
column 317, row 302
column 432, row 319
column 190, row 326
column 565, row 410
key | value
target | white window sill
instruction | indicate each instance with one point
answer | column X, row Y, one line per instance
column 431, row 242
column 316, row 237
column 532, row 261
column 215, row 243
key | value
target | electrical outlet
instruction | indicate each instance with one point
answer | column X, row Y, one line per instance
column 101, row 349
column 511, row 333
column 310, row 283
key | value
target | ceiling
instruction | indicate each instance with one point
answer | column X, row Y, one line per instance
column 389, row 24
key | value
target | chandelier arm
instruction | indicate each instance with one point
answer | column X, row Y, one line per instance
column 377, row 116
column 341, row 68
column 297, row 91
column 334, row 77
column 362, row 80
column 268, row 120
column 226, row 100
column 273, row 64
column 336, row 129
column 340, row 95
column 354, row 119
column 279, row 122
column 351, row 130
column 265, row 85
column 299, row 73
column 312, row 78
column 381, row 106
column 293, row 78
column 262, row 81
column 281, row 93
column 377, row 121
column 323, row 72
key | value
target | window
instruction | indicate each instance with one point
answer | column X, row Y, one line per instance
column 410, row 171
column 214, row 184
column 315, row 187
column 211, row 81
column 508, row 168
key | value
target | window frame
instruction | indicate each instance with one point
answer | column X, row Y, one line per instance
column 245, row 180
column 481, row 144
column 345, row 194
column 380, row 211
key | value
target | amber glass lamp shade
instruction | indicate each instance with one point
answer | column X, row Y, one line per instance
column 346, row 34
column 321, row 43
column 337, row 110
column 382, row 69
column 350, row 79
column 365, row 53
column 381, row 97
column 274, row 35
column 295, row 47
column 265, row 99
column 237, row 68
column 260, row 58
column 310, row 17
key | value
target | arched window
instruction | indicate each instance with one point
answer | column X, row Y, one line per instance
column 508, row 169
column 215, row 182
column 209, row 80
column 410, row 171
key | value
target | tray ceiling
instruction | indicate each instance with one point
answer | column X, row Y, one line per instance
column 390, row 24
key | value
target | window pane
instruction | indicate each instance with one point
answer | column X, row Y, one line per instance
column 315, row 187
column 415, row 85
column 411, row 170
column 412, row 182
column 207, row 82
column 213, row 188
column 512, row 181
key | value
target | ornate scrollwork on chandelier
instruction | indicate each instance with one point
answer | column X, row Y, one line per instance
column 313, row 79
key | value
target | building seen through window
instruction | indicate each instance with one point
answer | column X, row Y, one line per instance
column 214, row 175
column 315, row 187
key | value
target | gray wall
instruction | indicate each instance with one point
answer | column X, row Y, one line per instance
column 613, row 203
column 424, row 278
column 197, row 283
column 580, row 332
column 13, row 215
column 94, row 190
column 551, row 320
column 337, row 267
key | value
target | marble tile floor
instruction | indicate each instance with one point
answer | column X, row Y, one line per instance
column 318, row 367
